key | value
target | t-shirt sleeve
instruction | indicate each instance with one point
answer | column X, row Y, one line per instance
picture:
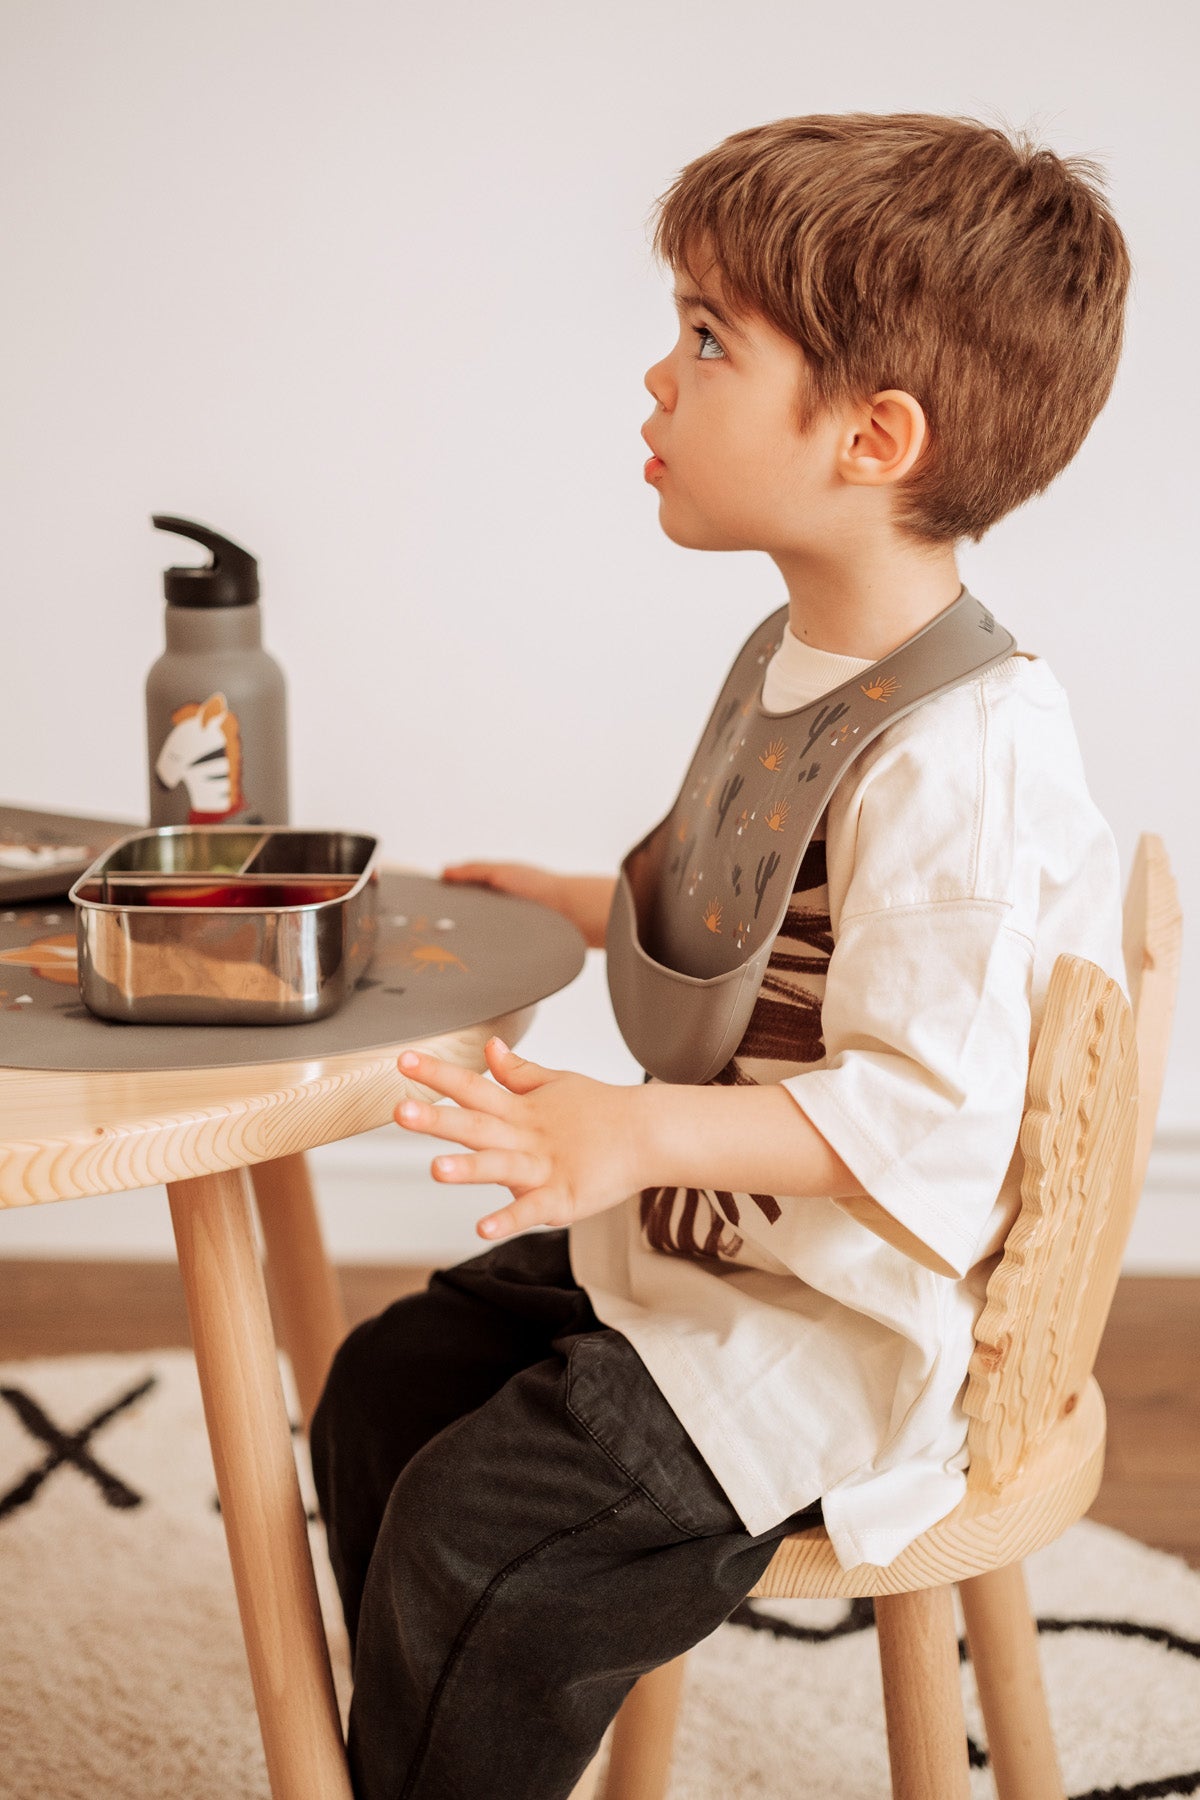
column 926, row 1015
column 926, row 1021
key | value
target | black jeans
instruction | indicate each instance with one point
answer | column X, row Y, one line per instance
column 519, row 1526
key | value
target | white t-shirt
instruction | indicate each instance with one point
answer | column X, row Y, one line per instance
column 806, row 1356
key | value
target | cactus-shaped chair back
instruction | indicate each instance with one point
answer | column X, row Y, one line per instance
column 1093, row 1096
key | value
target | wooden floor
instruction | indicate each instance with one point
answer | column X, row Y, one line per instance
column 1148, row 1367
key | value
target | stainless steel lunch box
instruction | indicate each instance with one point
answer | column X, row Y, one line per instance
column 226, row 924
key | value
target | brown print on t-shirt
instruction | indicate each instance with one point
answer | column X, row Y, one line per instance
column 656, row 1206
column 785, row 1025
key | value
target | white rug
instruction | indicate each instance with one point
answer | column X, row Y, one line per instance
column 122, row 1673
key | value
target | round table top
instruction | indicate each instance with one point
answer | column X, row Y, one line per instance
column 67, row 1133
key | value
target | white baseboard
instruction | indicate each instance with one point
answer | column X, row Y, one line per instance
column 380, row 1204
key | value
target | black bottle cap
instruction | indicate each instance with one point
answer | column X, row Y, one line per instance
column 230, row 579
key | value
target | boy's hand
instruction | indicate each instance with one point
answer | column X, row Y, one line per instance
column 523, row 879
column 564, row 1145
column 584, row 899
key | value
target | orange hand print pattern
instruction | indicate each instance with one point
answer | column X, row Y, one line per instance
column 435, row 956
column 53, row 958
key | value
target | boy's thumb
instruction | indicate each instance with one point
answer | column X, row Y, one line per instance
column 515, row 1072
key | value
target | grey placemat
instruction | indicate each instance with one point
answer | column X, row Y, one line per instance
column 447, row 955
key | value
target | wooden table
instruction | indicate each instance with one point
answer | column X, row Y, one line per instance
column 67, row 1134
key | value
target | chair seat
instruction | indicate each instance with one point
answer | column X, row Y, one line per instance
column 985, row 1531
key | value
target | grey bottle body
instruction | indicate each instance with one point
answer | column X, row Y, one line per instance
column 226, row 761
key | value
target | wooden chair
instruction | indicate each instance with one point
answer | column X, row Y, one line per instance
column 1036, row 1432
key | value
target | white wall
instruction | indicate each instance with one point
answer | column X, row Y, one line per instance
column 368, row 288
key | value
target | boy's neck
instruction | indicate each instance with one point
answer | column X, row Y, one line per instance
column 870, row 601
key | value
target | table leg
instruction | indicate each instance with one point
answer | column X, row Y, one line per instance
column 305, row 1296
column 256, row 1479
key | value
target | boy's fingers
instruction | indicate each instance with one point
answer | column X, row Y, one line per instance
column 484, row 871
column 463, row 1085
column 537, row 1208
column 477, row 1130
column 513, row 1070
column 463, row 871
column 507, row 1168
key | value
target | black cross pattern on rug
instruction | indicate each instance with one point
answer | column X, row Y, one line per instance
column 69, row 1449
column 860, row 1616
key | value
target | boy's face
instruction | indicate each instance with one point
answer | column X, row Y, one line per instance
column 736, row 471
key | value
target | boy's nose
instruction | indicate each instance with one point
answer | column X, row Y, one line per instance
column 657, row 383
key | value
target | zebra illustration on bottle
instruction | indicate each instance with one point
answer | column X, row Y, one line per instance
column 203, row 749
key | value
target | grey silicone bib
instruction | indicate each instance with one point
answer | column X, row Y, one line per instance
column 700, row 899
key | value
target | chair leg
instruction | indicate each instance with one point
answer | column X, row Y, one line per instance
column 922, row 1697
column 1002, row 1637
column 305, row 1296
column 256, row 1479
column 639, row 1765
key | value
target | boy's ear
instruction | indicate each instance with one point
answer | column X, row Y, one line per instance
column 884, row 436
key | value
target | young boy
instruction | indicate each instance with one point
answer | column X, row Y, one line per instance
column 568, row 1459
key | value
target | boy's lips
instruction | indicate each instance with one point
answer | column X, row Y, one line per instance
column 654, row 467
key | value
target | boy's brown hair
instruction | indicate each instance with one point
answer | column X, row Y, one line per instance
column 980, row 273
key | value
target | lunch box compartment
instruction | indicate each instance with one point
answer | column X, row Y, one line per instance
column 222, row 925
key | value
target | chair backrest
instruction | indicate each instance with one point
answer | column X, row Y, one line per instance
column 1152, row 944
column 1093, row 1095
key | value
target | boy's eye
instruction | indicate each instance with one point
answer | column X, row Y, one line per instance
column 703, row 333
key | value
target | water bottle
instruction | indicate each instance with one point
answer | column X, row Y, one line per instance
column 216, row 703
